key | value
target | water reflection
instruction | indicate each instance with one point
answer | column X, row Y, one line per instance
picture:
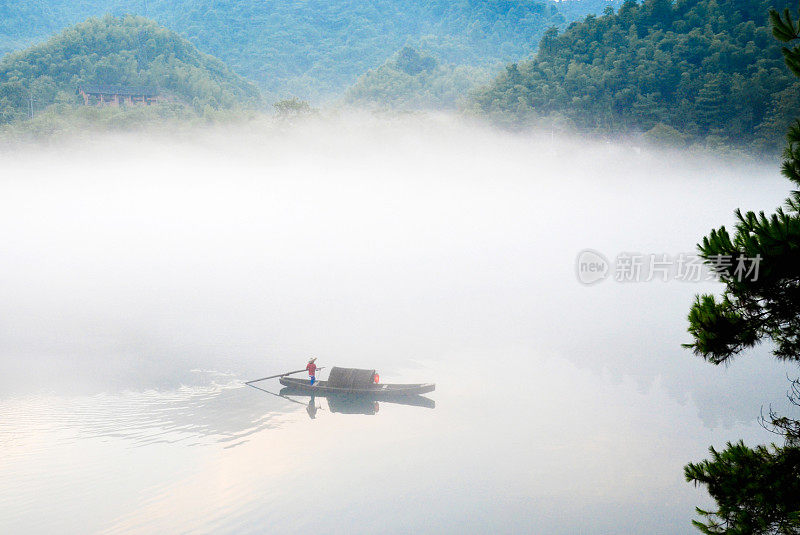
column 590, row 451
column 213, row 411
column 312, row 408
column 124, row 273
column 355, row 404
column 347, row 403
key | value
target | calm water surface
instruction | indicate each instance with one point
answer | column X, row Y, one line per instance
column 141, row 291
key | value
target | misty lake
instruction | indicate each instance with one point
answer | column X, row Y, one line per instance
column 145, row 278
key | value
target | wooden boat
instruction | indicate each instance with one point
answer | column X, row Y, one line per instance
column 355, row 381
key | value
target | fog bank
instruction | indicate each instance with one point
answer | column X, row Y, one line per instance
column 390, row 243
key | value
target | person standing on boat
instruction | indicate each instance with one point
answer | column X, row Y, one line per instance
column 312, row 370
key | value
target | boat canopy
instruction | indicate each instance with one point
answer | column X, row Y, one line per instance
column 350, row 377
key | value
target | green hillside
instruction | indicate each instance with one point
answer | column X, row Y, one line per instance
column 413, row 80
column 128, row 51
column 705, row 70
column 317, row 48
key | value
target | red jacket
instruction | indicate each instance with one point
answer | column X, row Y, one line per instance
column 312, row 368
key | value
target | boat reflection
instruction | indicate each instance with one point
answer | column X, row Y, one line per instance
column 348, row 403
column 343, row 405
column 355, row 403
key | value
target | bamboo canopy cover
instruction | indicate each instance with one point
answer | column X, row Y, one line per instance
column 350, row 378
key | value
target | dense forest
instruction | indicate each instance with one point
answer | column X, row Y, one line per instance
column 685, row 71
column 317, row 48
column 412, row 80
column 691, row 70
column 109, row 51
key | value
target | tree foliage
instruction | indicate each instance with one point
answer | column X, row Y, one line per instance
column 768, row 306
column 757, row 490
column 292, row 108
column 109, row 51
column 706, row 68
column 413, row 79
column 317, row 48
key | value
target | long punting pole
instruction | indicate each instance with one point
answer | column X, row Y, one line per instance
column 279, row 375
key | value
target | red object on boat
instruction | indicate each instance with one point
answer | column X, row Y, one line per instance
column 376, row 378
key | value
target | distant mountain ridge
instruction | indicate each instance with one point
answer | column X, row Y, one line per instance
column 317, row 48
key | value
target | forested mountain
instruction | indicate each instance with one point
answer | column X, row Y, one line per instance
column 129, row 51
column 694, row 69
column 318, row 48
column 413, row 79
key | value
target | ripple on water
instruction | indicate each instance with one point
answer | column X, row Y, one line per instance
column 213, row 413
